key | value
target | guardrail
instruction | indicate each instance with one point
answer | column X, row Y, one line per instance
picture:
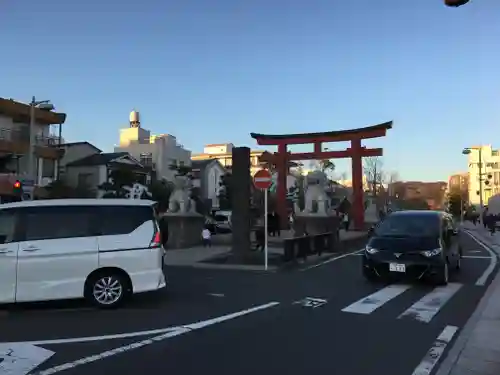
column 304, row 246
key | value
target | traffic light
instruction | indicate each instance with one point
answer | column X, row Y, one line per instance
column 17, row 188
column 455, row 3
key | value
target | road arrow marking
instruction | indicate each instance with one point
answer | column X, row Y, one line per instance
column 20, row 359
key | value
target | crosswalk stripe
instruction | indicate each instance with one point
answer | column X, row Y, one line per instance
column 367, row 305
column 429, row 305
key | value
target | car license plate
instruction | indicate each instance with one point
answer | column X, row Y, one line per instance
column 395, row 267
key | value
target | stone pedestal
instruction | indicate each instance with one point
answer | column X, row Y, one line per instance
column 315, row 224
column 184, row 230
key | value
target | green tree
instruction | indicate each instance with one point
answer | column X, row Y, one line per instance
column 118, row 179
column 160, row 192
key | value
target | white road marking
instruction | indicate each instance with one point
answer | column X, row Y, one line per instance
column 493, row 262
column 474, row 251
column 357, row 254
column 311, row 302
column 177, row 332
column 432, row 357
column 20, row 359
column 332, row 259
column 475, row 257
column 429, row 305
column 216, row 294
column 367, row 305
column 75, row 340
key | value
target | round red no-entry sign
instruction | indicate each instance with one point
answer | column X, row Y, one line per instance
column 263, row 179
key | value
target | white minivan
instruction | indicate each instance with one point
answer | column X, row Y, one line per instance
column 101, row 249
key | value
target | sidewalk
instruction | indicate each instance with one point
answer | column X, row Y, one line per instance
column 477, row 349
column 221, row 244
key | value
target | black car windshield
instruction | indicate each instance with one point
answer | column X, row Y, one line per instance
column 408, row 226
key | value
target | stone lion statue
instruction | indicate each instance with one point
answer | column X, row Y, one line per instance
column 180, row 200
column 316, row 199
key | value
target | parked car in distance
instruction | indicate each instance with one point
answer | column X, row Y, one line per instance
column 103, row 250
column 223, row 220
column 412, row 244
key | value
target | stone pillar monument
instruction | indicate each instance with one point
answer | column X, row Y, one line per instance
column 240, row 201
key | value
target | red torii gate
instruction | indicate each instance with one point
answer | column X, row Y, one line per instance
column 356, row 152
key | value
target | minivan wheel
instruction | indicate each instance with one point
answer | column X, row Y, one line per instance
column 107, row 290
column 443, row 275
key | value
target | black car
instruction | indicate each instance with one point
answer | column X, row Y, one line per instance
column 413, row 244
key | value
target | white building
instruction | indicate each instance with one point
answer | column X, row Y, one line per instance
column 490, row 173
column 156, row 151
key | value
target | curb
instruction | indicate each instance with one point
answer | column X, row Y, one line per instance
column 454, row 353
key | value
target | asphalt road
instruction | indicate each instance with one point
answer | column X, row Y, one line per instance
column 389, row 333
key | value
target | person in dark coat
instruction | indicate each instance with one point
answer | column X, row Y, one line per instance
column 277, row 224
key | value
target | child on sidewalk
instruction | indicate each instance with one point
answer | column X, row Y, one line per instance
column 206, row 237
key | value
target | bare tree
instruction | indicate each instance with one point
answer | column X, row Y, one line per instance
column 374, row 173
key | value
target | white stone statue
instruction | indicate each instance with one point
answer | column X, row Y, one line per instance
column 136, row 191
column 180, row 200
column 315, row 194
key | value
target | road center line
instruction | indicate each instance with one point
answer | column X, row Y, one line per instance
column 332, row 259
column 432, row 357
column 493, row 262
column 475, row 257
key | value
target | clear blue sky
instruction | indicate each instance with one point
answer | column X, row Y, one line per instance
column 212, row 71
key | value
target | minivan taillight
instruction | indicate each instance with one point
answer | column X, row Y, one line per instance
column 156, row 242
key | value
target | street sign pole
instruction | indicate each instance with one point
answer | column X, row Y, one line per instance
column 265, row 229
column 263, row 180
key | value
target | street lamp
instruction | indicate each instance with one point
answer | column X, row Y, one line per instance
column 41, row 104
column 467, row 151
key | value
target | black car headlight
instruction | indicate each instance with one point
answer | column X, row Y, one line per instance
column 432, row 253
column 370, row 250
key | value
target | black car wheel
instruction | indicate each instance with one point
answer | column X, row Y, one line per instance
column 442, row 276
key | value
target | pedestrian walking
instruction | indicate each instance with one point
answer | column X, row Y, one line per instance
column 206, row 237
column 346, row 221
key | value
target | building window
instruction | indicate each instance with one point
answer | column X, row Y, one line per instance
column 147, row 159
column 494, row 152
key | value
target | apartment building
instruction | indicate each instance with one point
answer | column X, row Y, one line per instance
column 158, row 152
column 490, row 170
column 15, row 143
column 223, row 153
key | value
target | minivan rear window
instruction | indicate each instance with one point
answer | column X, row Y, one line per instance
column 115, row 220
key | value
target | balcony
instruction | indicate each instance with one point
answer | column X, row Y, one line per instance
column 17, row 141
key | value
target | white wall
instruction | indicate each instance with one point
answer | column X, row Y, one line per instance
column 213, row 176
